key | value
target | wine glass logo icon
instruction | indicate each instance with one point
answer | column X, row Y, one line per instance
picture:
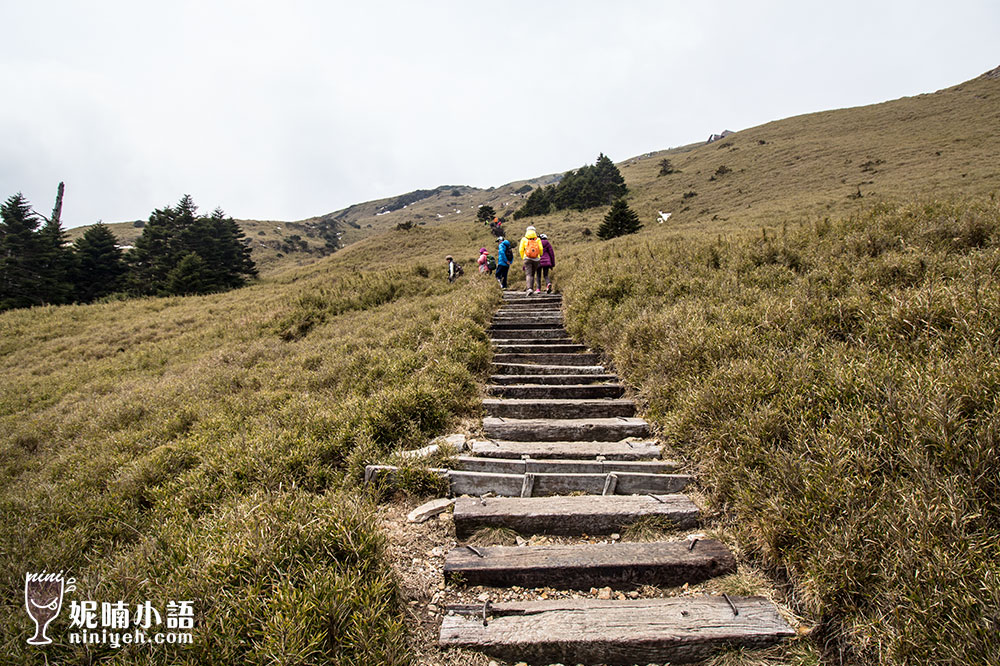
column 43, row 596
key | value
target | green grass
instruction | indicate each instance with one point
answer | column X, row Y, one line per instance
column 191, row 448
column 837, row 388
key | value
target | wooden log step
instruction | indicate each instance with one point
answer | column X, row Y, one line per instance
column 534, row 301
column 625, row 450
column 520, row 408
column 562, row 466
column 540, row 369
column 528, row 334
column 500, row 342
column 465, row 482
column 570, row 516
column 678, row 630
column 621, row 566
column 551, row 380
column 561, row 430
column 542, row 347
column 532, row 306
column 518, row 296
column 508, row 325
column 545, row 484
column 549, row 359
column 547, row 391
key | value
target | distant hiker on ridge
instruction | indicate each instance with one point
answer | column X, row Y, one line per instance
column 530, row 249
column 505, row 254
column 546, row 263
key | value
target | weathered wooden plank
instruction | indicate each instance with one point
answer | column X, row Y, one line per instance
column 621, row 566
column 578, row 358
column 504, row 484
column 579, row 514
column 528, row 334
column 517, row 408
column 559, row 430
column 677, row 630
column 551, row 392
column 624, row 450
column 566, row 340
column 554, row 380
column 540, row 347
column 539, row 369
column 510, row 466
column 507, row 325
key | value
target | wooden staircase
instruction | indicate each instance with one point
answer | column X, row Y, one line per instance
column 566, row 455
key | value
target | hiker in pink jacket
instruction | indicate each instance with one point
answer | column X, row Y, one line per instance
column 547, row 263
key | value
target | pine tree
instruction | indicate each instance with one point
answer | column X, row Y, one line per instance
column 172, row 234
column 99, row 267
column 20, row 283
column 55, row 264
column 619, row 221
column 486, row 214
column 610, row 182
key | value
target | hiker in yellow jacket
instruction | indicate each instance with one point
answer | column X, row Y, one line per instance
column 530, row 249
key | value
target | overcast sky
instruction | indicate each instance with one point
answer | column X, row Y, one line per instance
column 285, row 110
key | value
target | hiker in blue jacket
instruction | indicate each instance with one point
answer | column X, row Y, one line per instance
column 503, row 260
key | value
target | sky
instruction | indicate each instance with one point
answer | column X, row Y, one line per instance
column 286, row 110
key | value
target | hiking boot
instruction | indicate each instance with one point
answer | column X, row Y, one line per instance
column 548, row 288
column 527, row 292
column 538, row 291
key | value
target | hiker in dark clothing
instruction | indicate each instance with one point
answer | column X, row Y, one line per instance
column 505, row 253
column 547, row 263
column 454, row 270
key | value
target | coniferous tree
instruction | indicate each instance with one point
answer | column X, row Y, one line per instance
column 587, row 187
column 20, row 255
column 55, row 264
column 99, row 267
column 486, row 214
column 173, row 233
column 610, row 182
column 619, row 221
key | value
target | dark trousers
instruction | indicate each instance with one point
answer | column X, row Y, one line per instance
column 502, row 275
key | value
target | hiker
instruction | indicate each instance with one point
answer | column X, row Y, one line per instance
column 486, row 262
column 505, row 254
column 530, row 249
column 454, row 270
column 546, row 263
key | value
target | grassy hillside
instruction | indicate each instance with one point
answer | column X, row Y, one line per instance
column 206, row 448
column 826, row 362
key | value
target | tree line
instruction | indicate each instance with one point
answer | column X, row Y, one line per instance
column 179, row 253
column 590, row 186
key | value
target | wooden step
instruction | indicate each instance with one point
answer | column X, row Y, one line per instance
column 621, row 566
column 530, row 325
column 521, row 408
column 623, row 450
column 556, row 392
column 561, row 430
column 552, row 380
column 574, row 515
column 539, row 348
column 678, row 630
column 528, row 334
column 500, row 342
column 562, row 466
column 548, row 359
column 531, row 484
column 540, row 369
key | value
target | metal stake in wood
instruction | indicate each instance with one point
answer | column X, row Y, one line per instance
column 527, row 485
column 610, row 483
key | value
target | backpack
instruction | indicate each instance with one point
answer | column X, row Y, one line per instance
column 508, row 252
column 533, row 248
column 491, row 263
